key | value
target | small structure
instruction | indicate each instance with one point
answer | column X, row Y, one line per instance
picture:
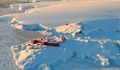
column 66, row 24
column 34, row 41
column 53, row 44
column 44, row 41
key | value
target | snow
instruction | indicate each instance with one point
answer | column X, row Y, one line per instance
column 72, row 28
column 7, row 38
column 94, row 42
column 26, row 6
column 84, row 49
column 18, row 24
column 34, row 27
column 68, row 12
column 104, row 61
column 100, row 51
column 28, row 0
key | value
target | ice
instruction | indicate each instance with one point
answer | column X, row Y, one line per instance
column 25, row 7
column 95, row 42
column 67, row 12
column 99, row 51
column 28, row 0
column 73, row 28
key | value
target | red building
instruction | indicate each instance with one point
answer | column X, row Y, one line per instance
column 45, row 42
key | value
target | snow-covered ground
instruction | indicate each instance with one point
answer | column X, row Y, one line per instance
column 91, row 29
column 101, row 52
column 7, row 39
column 25, row 6
column 73, row 11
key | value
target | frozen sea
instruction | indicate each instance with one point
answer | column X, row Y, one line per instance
column 10, row 36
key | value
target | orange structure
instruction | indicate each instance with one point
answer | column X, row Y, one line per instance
column 45, row 42
column 66, row 24
column 34, row 41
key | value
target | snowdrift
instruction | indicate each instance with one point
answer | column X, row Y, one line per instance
column 73, row 28
column 101, row 52
column 26, row 6
column 68, row 12
column 33, row 27
column 96, row 40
